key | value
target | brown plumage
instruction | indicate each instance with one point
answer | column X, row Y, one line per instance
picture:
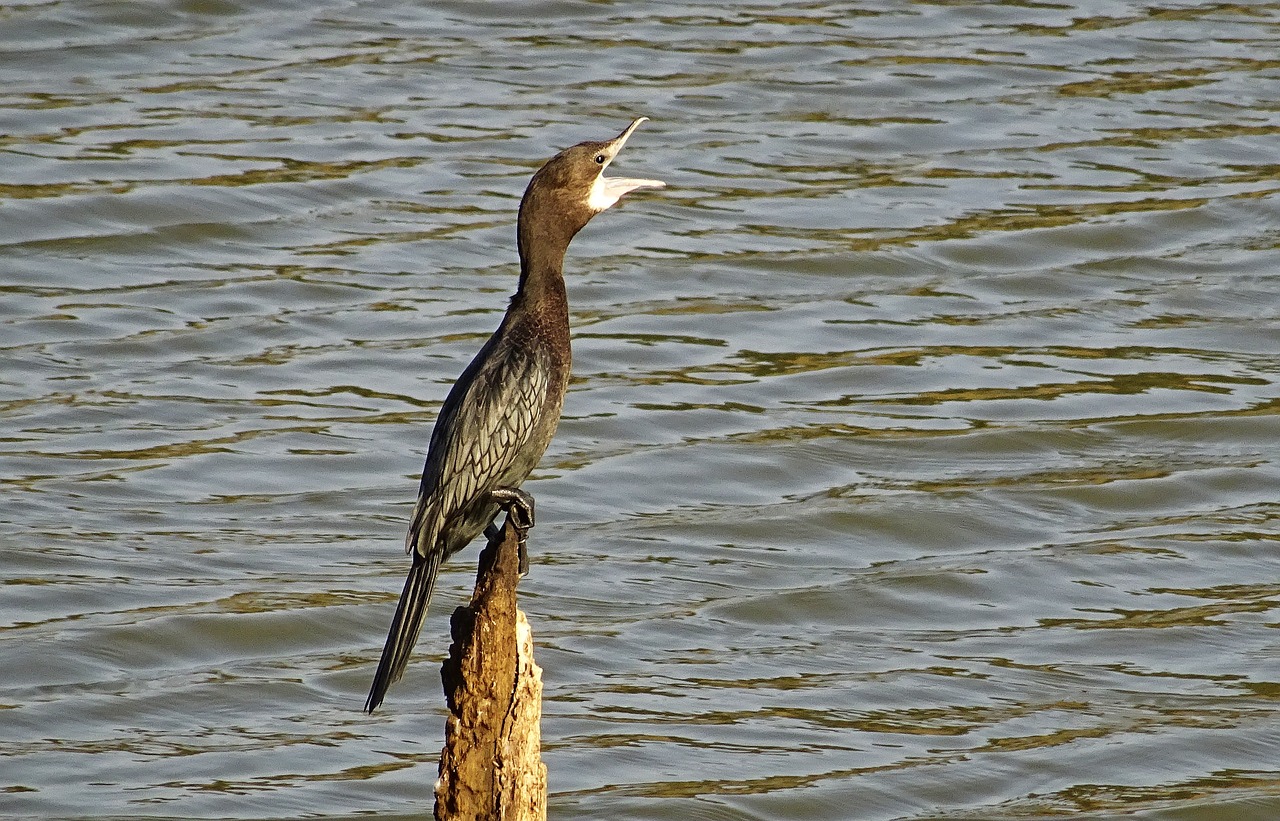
column 502, row 412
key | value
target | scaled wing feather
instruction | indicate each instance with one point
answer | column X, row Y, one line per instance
column 479, row 443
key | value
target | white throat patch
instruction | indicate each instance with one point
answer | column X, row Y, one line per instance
column 601, row 197
column 606, row 191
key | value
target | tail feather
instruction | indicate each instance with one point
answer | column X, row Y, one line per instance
column 405, row 626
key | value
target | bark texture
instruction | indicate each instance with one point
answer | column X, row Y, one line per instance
column 491, row 766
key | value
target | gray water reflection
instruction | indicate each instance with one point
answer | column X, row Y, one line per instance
column 919, row 461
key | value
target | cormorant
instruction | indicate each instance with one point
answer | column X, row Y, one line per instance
column 501, row 413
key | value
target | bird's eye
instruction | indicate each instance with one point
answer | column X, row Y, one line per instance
column 600, row 159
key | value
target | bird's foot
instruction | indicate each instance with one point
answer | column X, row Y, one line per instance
column 519, row 507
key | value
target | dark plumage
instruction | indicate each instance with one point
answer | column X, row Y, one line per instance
column 501, row 413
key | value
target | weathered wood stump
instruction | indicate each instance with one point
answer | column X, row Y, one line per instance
column 491, row 766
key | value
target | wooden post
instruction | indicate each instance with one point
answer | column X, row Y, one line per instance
column 491, row 767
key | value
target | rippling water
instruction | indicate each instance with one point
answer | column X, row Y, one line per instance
column 919, row 462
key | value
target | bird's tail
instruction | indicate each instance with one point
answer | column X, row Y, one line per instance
column 405, row 626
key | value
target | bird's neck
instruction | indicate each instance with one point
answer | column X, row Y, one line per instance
column 541, row 300
column 543, row 234
column 541, row 268
column 542, row 273
column 542, row 244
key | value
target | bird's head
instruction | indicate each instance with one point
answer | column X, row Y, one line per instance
column 571, row 188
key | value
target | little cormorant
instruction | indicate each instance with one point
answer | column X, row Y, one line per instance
column 501, row 413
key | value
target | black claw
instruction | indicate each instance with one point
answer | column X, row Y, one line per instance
column 517, row 503
column 519, row 507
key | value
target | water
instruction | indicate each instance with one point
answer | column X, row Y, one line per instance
column 919, row 462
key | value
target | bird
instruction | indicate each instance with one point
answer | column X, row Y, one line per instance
column 497, row 420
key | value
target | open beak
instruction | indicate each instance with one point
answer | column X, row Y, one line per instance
column 612, row 188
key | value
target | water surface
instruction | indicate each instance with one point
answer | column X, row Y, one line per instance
column 919, row 461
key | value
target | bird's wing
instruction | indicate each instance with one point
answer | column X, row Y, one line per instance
column 480, row 438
